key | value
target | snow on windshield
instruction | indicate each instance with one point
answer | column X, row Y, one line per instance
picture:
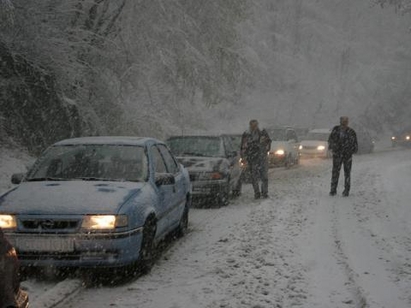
column 277, row 134
column 99, row 162
column 317, row 136
column 196, row 146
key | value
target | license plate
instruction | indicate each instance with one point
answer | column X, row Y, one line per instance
column 48, row 244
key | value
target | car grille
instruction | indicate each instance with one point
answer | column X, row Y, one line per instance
column 49, row 256
column 309, row 147
column 73, row 256
column 50, row 224
column 193, row 177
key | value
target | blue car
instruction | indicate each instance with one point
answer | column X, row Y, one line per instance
column 96, row 202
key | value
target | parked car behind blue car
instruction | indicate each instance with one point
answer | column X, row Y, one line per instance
column 97, row 202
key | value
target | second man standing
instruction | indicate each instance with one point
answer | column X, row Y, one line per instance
column 255, row 144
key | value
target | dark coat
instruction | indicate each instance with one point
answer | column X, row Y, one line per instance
column 9, row 281
column 343, row 141
column 255, row 145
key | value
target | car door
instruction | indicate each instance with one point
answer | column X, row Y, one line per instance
column 178, row 199
column 165, row 193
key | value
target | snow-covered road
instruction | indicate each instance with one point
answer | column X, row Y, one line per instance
column 301, row 248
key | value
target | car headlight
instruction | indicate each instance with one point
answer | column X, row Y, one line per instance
column 300, row 147
column 321, row 148
column 104, row 222
column 393, row 138
column 279, row 152
column 408, row 137
column 8, row 222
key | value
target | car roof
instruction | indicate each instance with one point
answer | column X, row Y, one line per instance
column 194, row 136
column 280, row 127
column 108, row 140
column 320, row 131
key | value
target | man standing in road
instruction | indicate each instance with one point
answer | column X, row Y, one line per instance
column 255, row 144
column 343, row 144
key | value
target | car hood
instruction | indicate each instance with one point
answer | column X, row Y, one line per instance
column 277, row 145
column 201, row 164
column 313, row 143
column 68, row 197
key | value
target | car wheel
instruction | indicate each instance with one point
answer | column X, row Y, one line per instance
column 183, row 225
column 224, row 197
column 287, row 163
column 147, row 251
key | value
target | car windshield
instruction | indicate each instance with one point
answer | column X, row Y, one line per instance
column 236, row 141
column 91, row 162
column 317, row 136
column 196, row 146
column 277, row 134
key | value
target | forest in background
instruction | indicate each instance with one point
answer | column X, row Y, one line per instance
column 151, row 67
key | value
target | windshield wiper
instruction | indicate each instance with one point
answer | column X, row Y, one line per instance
column 45, row 179
column 192, row 154
column 90, row 178
column 105, row 179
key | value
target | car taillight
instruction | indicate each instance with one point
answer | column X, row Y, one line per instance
column 216, row 176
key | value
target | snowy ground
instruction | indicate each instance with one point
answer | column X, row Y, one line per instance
column 301, row 248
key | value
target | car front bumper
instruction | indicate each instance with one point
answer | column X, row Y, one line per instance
column 209, row 188
column 276, row 160
column 77, row 250
column 308, row 153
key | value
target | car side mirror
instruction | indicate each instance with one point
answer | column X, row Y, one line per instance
column 17, row 178
column 163, row 179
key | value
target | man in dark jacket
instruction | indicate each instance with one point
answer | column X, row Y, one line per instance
column 255, row 144
column 9, row 281
column 343, row 144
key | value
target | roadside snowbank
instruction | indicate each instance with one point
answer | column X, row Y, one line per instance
column 12, row 160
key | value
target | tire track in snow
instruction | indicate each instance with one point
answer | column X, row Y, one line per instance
column 359, row 251
column 359, row 299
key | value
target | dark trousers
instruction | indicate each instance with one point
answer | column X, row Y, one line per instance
column 338, row 161
column 259, row 171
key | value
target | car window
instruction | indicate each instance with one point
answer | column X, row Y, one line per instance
column 99, row 162
column 277, row 134
column 236, row 142
column 159, row 165
column 291, row 135
column 171, row 164
column 228, row 148
column 317, row 136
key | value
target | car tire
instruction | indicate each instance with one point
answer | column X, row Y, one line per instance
column 287, row 163
column 183, row 225
column 147, row 250
column 297, row 160
column 224, row 197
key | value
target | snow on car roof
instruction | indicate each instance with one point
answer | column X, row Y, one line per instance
column 194, row 136
column 320, row 131
column 111, row 140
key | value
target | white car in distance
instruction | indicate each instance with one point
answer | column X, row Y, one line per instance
column 315, row 144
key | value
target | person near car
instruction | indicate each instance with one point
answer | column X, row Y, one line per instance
column 255, row 144
column 9, row 281
column 343, row 144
